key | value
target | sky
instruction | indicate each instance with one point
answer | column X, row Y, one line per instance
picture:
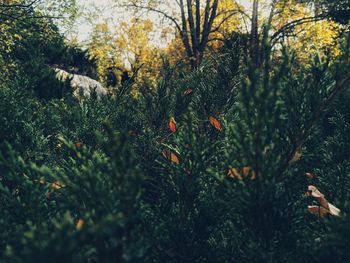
column 83, row 26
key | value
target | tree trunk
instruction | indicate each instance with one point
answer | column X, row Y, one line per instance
column 195, row 35
column 254, row 36
column 194, row 26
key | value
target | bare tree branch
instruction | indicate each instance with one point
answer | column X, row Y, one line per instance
column 149, row 8
column 227, row 17
column 191, row 23
column 295, row 23
column 208, row 26
column 194, row 31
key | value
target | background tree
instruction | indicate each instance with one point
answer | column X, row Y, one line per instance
column 285, row 20
column 306, row 39
column 338, row 10
column 193, row 20
column 126, row 48
column 227, row 23
column 102, row 47
column 134, row 40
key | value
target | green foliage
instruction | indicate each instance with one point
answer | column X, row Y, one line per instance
column 91, row 180
column 32, row 46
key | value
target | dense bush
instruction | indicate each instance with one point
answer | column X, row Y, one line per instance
column 117, row 180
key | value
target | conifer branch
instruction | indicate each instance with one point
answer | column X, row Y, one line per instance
column 299, row 141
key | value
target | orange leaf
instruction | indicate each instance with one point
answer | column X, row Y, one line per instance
column 233, row 173
column 317, row 210
column 56, row 185
column 314, row 192
column 296, row 157
column 188, row 91
column 238, row 173
column 78, row 145
column 246, row 170
column 253, row 175
column 172, row 125
column 80, row 224
column 169, row 155
column 214, row 122
column 309, row 175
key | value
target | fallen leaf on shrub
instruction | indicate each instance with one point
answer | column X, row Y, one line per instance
column 245, row 171
column 80, row 224
column 233, row 173
column 215, row 123
column 131, row 133
column 314, row 192
column 169, row 155
column 78, row 145
column 317, row 210
column 333, row 210
column 296, row 157
column 41, row 181
column 309, row 175
column 56, row 185
column 58, row 146
column 253, row 175
column 172, row 125
column 188, row 91
column 248, row 170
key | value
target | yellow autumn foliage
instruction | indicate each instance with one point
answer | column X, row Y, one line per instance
column 101, row 47
column 306, row 39
column 226, row 22
column 127, row 46
column 318, row 37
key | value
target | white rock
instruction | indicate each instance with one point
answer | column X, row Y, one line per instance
column 81, row 85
